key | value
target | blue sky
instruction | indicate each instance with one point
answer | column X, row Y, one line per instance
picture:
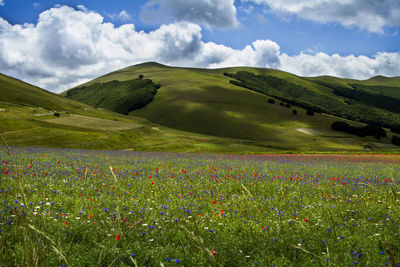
column 346, row 38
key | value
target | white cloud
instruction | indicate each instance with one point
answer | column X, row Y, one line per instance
column 360, row 67
column 123, row 15
column 1, row 3
column 372, row 16
column 36, row 4
column 215, row 13
column 262, row 53
column 68, row 47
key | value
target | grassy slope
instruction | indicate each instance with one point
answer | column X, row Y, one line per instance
column 27, row 119
column 203, row 101
column 121, row 97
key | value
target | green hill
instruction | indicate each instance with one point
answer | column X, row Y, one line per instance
column 204, row 101
column 31, row 116
column 20, row 93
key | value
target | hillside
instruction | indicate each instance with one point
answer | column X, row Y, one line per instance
column 354, row 100
column 119, row 96
column 31, row 116
column 20, row 93
column 204, row 101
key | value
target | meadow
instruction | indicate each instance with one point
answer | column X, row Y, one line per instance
column 64, row 207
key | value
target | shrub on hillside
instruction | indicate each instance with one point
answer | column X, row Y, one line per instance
column 294, row 112
column 310, row 113
column 396, row 140
column 271, row 101
column 369, row 130
column 56, row 114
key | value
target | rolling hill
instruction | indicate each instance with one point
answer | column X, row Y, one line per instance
column 204, row 101
column 31, row 116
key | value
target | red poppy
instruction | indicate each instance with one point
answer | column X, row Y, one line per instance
column 118, row 237
column 305, row 219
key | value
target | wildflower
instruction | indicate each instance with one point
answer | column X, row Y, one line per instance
column 305, row 219
column 118, row 237
column 213, row 252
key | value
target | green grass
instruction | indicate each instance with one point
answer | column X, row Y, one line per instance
column 121, row 97
column 369, row 104
column 109, row 208
column 21, row 93
column 203, row 101
column 195, row 110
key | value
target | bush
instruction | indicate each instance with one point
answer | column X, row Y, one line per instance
column 375, row 130
column 288, row 105
column 367, row 147
column 310, row 112
column 56, row 114
column 141, row 76
column 396, row 140
column 369, row 130
column 271, row 101
column 294, row 112
column 281, row 104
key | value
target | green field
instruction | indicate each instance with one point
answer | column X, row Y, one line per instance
column 194, row 110
column 203, row 101
column 111, row 208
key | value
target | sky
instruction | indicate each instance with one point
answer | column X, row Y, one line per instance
column 60, row 44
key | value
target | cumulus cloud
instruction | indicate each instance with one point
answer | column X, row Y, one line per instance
column 217, row 13
column 67, row 47
column 1, row 3
column 360, row 67
column 262, row 53
column 372, row 16
column 122, row 16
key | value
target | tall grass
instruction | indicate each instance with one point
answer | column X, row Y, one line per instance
column 69, row 207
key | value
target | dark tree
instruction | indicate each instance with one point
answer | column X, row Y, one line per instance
column 271, row 101
column 140, row 76
column 396, row 140
column 294, row 112
column 310, row 112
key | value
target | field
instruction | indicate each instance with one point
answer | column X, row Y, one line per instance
column 63, row 207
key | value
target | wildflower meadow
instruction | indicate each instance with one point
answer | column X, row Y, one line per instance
column 62, row 207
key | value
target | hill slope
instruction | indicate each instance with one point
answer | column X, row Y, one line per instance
column 118, row 96
column 30, row 116
column 18, row 92
column 203, row 101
